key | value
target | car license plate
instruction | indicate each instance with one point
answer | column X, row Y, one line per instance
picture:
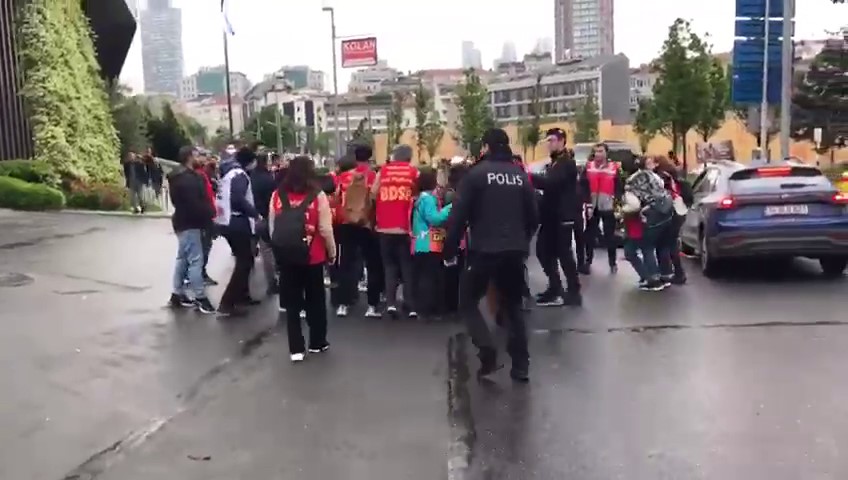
column 786, row 210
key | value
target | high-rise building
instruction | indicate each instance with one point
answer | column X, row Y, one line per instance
column 471, row 57
column 508, row 53
column 583, row 28
column 211, row 81
column 302, row 77
column 162, row 47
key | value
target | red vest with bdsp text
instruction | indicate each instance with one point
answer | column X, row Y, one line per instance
column 317, row 247
column 394, row 199
column 602, row 178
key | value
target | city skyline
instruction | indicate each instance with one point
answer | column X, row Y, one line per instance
column 161, row 35
column 260, row 44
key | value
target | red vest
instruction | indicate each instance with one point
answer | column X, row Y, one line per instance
column 633, row 227
column 394, row 199
column 602, row 179
column 317, row 247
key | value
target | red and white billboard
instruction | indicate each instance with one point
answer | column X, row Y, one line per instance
column 359, row 52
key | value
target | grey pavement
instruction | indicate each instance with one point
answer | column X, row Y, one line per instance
column 739, row 378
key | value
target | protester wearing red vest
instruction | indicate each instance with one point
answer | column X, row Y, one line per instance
column 394, row 191
column 356, row 240
column 605, row 187
column 303, row 288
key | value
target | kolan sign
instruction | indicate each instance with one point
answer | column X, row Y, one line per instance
column 359, row 52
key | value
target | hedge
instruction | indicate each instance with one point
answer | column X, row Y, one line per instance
column 98, row 196
column 72, row 124
column 26, row 170
column 20, row 195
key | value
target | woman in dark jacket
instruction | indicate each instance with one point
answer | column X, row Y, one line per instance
column 671, row 268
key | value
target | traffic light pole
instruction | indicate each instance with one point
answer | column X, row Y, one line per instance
column 787, row 59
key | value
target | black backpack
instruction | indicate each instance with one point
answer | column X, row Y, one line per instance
column 289, row 239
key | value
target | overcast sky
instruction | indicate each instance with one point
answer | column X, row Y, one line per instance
column 417, row 34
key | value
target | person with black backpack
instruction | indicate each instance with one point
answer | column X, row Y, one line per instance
column 301, row 233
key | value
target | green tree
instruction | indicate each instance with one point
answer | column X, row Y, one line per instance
column 433, row 133
column 394, row 120
column 363, row 134
column 220, row 139
column 196, row 132
column 646, row 125
column 167, row 134
column 262, row 127
column 530, row 134
column 821, row 98
column 713, row 116
column 423, row 107
column 130, row 119
column 586, row 120
column 73, row 131
column 682, row 92
column 323, row 141
column 475, row 116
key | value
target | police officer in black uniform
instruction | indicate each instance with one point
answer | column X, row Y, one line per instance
column 497, row 204
column 561, row 209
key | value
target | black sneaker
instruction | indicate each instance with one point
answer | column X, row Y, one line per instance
column 548, row 292
column 249, row 301
column 209, row 281
column 320, row 349
column 551, row 299
column 229, row 311
column 488, row 363
column 655, row 285
column 180, row 301
column 584, row 269
column 678, row 280
column 573, row 299
column 203, row 305
column 521, row 375
column 613, row 269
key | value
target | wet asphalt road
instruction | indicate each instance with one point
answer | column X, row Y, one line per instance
column 733, row 379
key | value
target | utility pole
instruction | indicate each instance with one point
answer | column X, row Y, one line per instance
column 335, row 82
column 764, row 104
column 787, row 61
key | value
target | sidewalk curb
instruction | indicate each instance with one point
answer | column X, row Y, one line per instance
column 116, row 213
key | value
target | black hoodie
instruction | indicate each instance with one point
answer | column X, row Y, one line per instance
column 192, row 208
column 562, row 200
column 496, row 202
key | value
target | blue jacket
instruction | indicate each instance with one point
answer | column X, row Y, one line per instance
column 425, row 215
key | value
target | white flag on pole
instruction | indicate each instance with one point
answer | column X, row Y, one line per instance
column 225, row 13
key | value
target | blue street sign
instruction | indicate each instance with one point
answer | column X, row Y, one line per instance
column 755, row 28
column 750, row 52
column 747, row 85
column 757, row 8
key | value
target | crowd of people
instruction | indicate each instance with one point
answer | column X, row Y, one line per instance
column 417, row 241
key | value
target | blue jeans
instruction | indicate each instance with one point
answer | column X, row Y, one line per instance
column 646, row 266
column 189, row 262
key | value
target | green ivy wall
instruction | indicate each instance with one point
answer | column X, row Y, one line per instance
column 71, row 118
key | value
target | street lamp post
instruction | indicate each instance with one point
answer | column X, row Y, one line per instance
column 787, row 59
column 335, row 81
column 764, row 147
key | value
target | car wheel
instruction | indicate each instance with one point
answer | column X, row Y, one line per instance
column 709, row 265
column 833, row 267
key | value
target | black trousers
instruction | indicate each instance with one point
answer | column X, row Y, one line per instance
column 554, row 243
column 591, row 235
column 238, row 288
column 580, row 240
column 397, row 265
column 304, row 291
column 668, row 249
column 207, row 235
column 429, row 283
column 359, row 242
column 506, row 272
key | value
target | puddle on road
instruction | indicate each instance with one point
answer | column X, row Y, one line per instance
column 14, row 279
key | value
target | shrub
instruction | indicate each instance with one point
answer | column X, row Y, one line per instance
column 98, row 196
column 20, row 195
column 31, row 171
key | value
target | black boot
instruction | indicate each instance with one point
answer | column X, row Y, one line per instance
column 488, row 362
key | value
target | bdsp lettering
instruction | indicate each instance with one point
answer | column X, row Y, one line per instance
column 505, row 179
column 393, row 193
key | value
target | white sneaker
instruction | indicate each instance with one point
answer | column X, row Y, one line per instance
column 372, row 312
column 413, row 314
column 281, row 309
column 363, row 286
column 341, row 311
column 391, row 310
column 297, row 357
column 303, row 314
